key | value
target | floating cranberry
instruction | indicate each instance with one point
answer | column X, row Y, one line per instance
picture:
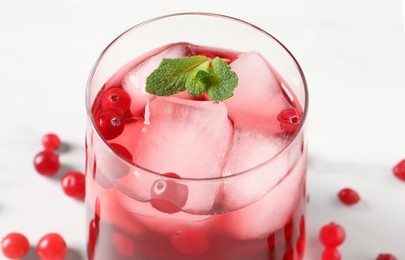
column 386, row 257
column 116, row 98
column 191, row 242
column 169, row 196
column 122, row 151
column 399, row 170
column 331, row 253
column 348, row 196
column 52, row 246
column 332, row 235
column 93, row 235
column 15, row 246
column 51, row 141
column 123, row 244
column 289, row 120
column 110, row 124
column 47, row 163
column 73, row 184
column 300, row 245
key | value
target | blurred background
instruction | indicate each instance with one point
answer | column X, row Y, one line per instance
column 353, row 56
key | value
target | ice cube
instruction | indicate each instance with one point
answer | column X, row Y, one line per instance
column 189, row 138
column 257, row 99
column 135, row 81
column 250, row 149
column 251, row 154
column 272, row 211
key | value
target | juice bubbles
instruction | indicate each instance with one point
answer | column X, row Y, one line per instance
column 184, row 177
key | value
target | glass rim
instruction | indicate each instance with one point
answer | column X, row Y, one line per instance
column 219, row 16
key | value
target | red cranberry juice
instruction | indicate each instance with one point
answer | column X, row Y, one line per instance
column 257, row 211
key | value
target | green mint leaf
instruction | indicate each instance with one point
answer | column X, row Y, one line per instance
column 196, row 74
column 224, row 81
column 171, row 75
column 196, row 82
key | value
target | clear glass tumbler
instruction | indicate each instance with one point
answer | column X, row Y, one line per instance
column 254, row 207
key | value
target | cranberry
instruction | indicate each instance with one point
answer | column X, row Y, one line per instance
column 73, row 184
column 348, row 196
column 167, row 195
column 51, row 141
column 289, row 254
column 386, row 257
column 123, row 244
column 15, row 246
column 52, row 246
column 122, row 151
column 116, row 98
column 47, row 163
column 399, row 170
column 192, row 242
column 300, row 245
column 93, row 235
column 289, row 120
column 332, row 235
column 110, row 124
column 331, row 253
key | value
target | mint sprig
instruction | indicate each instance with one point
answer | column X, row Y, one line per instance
column 196, row 74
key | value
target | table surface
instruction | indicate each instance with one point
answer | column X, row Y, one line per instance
column 353, row 55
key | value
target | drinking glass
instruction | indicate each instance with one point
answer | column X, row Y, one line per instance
column 133, row 212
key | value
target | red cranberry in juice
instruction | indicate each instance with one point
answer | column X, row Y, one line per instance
column 47, row 163
column 52, row 246
column 332, row 235
column 116, row 98
column 167, row 195
column 289, row 120
column 15, row 246
column 51, row 141
column 348, row 196
column 110, row 124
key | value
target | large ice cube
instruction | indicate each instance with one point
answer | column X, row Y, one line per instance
column 189, row 138
column 135, row 81
column 186, row 137
column 270, row 212
column 250, row 149
column 251, row 158
column 258, row 98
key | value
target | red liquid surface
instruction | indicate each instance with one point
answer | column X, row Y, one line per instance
column 123, row 226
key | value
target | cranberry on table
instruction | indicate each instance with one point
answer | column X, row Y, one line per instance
column 348, row 196
column 331, row 253
column 15, row 246
column 52, row 246
column 51, row 141
column 110, row 124
column 47, row 163
column 73, row 184
column 116, row 98
column 399, row 170
column 386, row 257
column 332, row 235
